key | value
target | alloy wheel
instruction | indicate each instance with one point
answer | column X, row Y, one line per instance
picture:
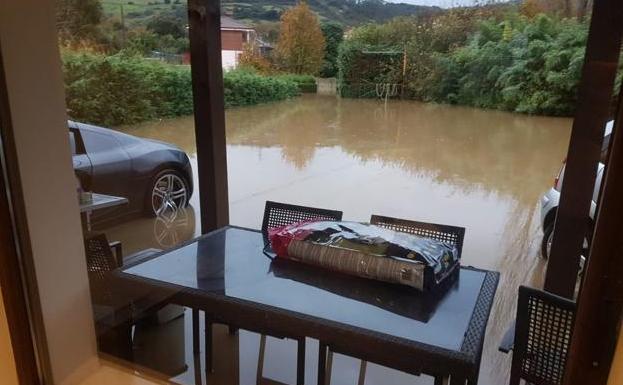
column 169, row 193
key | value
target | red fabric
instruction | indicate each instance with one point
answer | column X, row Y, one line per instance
column 280, row 237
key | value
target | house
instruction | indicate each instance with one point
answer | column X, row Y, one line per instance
column 234, row 35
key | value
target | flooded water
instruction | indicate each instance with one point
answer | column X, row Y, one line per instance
column 483, row 170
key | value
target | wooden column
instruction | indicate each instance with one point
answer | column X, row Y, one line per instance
column 594, row 101
column 600, row 302
column 207, row 76
column 32, row 366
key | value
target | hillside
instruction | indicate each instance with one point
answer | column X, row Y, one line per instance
column 345, row 12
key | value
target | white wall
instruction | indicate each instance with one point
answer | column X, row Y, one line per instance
column 230, row 59
column 36, row 99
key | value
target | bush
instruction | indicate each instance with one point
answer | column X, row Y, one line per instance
column 333, row 36
column 121, row 89
column 375, row 52
column 305, row 83
column 529, row 66
column 362, row 66
column 515, row 63
column 126, row 89
column 244, row 88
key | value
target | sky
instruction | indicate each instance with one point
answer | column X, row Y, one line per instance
column 441, row 3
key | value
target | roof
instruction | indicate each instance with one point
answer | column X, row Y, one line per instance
column 229, row 23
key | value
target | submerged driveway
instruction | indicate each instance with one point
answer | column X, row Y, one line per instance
column 483, row 170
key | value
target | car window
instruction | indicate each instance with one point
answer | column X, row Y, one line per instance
column 96, row 142
column 75, row 142
column 600, row 173
column 72, row 143
column 604, row 148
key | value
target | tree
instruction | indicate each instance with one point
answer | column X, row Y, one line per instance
column 268, row 30
column 78, row 20
column 252, row 58
column 167, row 25
column 333, row 35
column 301, row 44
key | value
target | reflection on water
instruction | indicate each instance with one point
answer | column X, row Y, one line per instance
column 461, row 166
column 484, row 170
column 167, row 230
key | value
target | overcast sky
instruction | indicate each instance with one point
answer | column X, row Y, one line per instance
column 442, row 3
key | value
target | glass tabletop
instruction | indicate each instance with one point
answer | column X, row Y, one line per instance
column 231, row 262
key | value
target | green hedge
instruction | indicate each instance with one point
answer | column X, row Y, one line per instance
column 306, row 83
column 119, row 89
column 126, row 89
column 244, row 88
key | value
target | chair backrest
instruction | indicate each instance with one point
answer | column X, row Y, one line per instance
column 542, row 337
column 100, row 262
column 445, row 233
column 278, row 214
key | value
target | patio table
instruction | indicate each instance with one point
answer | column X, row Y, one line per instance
column 98, row 202
column 226, row 274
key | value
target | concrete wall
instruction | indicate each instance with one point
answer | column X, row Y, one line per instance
column 36, row 99
column 326, row 86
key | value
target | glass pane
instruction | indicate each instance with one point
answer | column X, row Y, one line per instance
column 128, row 82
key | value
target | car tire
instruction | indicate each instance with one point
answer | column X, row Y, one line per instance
column 545, row 247
column 168, row 191
column 547, row 239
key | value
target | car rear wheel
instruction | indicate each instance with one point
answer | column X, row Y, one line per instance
column 169, row 192
column 546, row 244
column 546, row 247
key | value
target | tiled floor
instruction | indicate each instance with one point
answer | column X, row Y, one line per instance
column 112, row 374
column 8, row 374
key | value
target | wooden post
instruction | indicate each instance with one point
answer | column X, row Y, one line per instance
column 600, row 304
column 594, row 98
column 207, row 78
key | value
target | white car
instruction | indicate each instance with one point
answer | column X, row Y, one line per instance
column 549, row 201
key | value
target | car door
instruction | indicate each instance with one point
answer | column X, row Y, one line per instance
column 111, row 166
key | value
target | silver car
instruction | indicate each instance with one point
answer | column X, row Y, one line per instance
column 549, row 201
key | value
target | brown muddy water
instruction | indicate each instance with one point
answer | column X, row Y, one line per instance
column 483, row 170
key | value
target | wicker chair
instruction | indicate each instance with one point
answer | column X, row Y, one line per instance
column 281, row 214
column 542, row 337
column 446, row 233
column 115, row 308
column 112, row 312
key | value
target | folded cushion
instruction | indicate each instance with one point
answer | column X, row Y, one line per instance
column 367, row 251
